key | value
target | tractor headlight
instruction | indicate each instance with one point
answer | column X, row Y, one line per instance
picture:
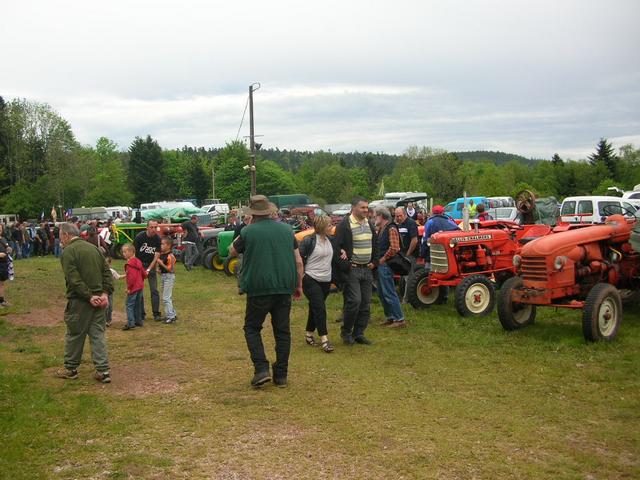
column 559, row 262
column 452, row 244
column 517, row 260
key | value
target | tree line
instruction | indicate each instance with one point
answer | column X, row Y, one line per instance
column 43, row 165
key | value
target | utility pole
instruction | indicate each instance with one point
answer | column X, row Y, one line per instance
column 252, row 139
column 213, row 181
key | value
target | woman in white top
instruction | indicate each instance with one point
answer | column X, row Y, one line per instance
column 316, row 251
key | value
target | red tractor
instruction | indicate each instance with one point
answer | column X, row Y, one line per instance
column 472, row 261
column 586, row 269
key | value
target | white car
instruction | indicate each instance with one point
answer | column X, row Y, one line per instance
column 593, row 209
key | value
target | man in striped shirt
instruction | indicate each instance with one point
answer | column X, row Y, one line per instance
column 357, row 239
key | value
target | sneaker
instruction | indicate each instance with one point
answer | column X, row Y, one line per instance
column 280, row 382
column 4, row 304
column 387, row 322
column 362, row 340
column 260, row 379
column 158, row 318
column 398, row 324
column 128, row 327
column 67, row 374
column 171, row 320
column 102, row 377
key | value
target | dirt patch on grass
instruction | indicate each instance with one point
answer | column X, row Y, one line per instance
column 42, row 317
column 142, row 379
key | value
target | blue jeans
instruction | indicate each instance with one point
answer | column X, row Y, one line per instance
column 57, row 251
column 168, row 279
column 388, row 294
column 134, row 309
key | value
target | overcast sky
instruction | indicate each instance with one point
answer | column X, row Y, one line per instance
column 527, row 77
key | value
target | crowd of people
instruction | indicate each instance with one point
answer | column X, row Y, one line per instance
column 356, row 256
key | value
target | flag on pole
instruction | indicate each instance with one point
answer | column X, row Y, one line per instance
column 54, row 214
column 67, row 214
column 381, row 191
column 42, row 215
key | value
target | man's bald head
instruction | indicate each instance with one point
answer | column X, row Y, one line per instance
column 400, row 215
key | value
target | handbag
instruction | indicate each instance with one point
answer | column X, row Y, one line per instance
column 400, row 264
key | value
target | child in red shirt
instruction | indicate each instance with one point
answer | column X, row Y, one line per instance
column 136, row 274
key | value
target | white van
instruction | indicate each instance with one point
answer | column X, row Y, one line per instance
column 593, row 209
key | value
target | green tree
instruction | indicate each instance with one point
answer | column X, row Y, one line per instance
column 605, row 153
column 108, row 187
column 271, row 179
column 556, row 160
column 146, row 167
column 233, row 184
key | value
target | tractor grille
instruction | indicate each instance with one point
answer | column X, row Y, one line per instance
column 439, row 260
column 534, row 268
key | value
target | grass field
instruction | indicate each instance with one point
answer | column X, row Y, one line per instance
column 447, row 397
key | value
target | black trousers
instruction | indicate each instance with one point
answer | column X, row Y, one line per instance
column 279, row 306
column 316, row 292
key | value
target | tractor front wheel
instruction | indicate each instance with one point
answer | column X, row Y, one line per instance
column 514, row 315
column 602, row 313
column 231, row 266
column 475, row 296
column 206, row 256
column 420, row 294
column 217, row 262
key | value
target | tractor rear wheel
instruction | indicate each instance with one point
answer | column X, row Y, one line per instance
column 231, row 266
column 419, row 294
column 602, row 313
column 116, row 251
column 208, row 260
column 514, row 315
column 475, row 296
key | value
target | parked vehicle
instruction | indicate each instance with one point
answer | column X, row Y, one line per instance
column 119, row 212
column 393, row 199
column 92, row 213
column 217, row 208
column 591, row 209
column 586, row 269
column 454, row 209
column 295, row 199
column 122, row 233
column 9, row 218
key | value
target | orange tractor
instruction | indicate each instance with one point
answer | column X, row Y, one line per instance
column 591, row 268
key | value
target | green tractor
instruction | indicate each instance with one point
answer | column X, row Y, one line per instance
column 218, row 258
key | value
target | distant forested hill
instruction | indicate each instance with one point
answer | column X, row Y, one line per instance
column 499, row 158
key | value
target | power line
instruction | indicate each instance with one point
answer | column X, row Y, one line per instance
column 243, row 114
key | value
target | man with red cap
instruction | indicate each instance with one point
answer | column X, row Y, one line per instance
column 438, row 222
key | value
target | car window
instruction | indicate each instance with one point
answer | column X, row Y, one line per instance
column 448, row 208
column 585, row 207
column 459, row 206
column 568, row 208
column 609, row 208
column 634, row 196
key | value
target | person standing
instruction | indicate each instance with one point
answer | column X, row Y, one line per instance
column 89, row 284
column 358, row 243
column 412, row 213
column 388, row 246
column 191, row 241
column 482, row 214
column 135, row 274
column 317, row 254
column 147, row 245
column 5, row 251
column 408, row 230
column 166, row 268
column 272, row 270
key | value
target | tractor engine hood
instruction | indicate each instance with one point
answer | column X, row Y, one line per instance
column 615, row 230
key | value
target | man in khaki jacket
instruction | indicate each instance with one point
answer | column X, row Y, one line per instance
column 89, row 282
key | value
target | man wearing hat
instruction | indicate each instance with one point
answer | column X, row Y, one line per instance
column 272, row 271
column 438, row 222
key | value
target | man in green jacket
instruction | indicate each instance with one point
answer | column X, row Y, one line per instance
column 89, row 283
column 272, row 271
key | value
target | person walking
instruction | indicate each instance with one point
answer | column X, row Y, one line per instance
column 272, row 270
column 5, row 251
column 317, row 255
column 357, row 240
column 147, row 245
column 408, row 230
column 388, row 246
column 89, row 284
